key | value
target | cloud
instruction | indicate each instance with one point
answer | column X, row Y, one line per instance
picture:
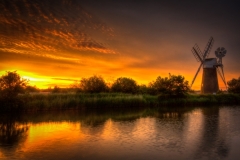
column 51, row 27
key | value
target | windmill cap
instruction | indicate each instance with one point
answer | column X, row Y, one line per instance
column 210, row 63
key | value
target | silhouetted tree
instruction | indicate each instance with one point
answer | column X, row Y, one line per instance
column 56, row 89
column 234, row 85
column 125, row 85
column 94, row 84
column 172, row 85
column 32, row 89
column 75, row 87
column 11, row 84
column 143, row 89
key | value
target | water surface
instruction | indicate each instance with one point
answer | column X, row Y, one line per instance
column 196, row 133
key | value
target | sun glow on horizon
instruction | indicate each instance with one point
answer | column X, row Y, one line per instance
column 41, row 82
column 65, row 81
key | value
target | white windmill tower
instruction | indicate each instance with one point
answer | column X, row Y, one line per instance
column 210, row 67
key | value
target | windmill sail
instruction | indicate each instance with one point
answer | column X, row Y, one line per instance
column 198, row 49
column 196, row 73
column 197, row 52
column 208, row 48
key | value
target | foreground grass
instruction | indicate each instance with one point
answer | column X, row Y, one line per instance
column 81, row 101
column 60, row 101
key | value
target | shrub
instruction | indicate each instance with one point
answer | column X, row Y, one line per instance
column 32, row 89
column 56, row 89
column 143, row 89
column 234, row 85
column 11, row 84
column 172, row 85
column 125, row 85
column 94, row 84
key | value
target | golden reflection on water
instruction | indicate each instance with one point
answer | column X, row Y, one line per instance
column 53, row 130
column 137, row 133
column 107, row 133
column 198, row 133
column 192, row 132
column 47, row 135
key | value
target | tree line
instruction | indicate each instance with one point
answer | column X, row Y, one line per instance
column 11, row 84
column 175, row 85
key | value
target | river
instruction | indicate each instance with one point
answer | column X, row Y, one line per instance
column 144, row 133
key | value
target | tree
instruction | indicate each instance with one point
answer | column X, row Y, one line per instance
column 234, row 85
column 11, row 84
column 143, row 89
column 172, row 85
column 94, row 84
column 29, row 88
column 125, row 85
column 56, row 89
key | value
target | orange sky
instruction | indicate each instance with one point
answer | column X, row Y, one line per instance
column 58, row 42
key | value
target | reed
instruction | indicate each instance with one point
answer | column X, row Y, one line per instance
column 66, row 101
column 37, row 102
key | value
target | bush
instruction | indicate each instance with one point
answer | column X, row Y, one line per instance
column 11, row 84
column 56, row 89
column 94, row 84
column 172, row 85
column 143, row 89
column 32, row 89
column 234, row 85
column 125, row 85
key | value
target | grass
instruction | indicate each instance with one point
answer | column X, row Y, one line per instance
column 59, row 101
column 82, row 101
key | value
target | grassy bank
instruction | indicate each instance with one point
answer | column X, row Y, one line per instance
column 80, row 101
column 60, row 101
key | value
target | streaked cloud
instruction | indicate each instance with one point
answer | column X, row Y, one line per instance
column 41, row 26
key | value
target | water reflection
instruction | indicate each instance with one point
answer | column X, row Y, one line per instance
column 213, row 141
column 12, row 134
column 196, row 133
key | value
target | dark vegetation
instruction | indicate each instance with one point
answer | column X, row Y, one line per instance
column 124, row 85
column 94, row 84
column 17, row 95
column 11, row 84
column 172, row 86
column 234, row 85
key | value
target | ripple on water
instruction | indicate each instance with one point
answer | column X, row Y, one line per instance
column 203, row 133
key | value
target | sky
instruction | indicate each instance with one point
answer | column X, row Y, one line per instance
column 58, row 42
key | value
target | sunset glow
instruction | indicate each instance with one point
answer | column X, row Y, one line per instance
column 59, row 42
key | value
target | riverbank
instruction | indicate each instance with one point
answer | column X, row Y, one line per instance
column 64, row 101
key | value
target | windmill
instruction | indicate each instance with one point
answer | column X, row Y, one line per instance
column 210, row 67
